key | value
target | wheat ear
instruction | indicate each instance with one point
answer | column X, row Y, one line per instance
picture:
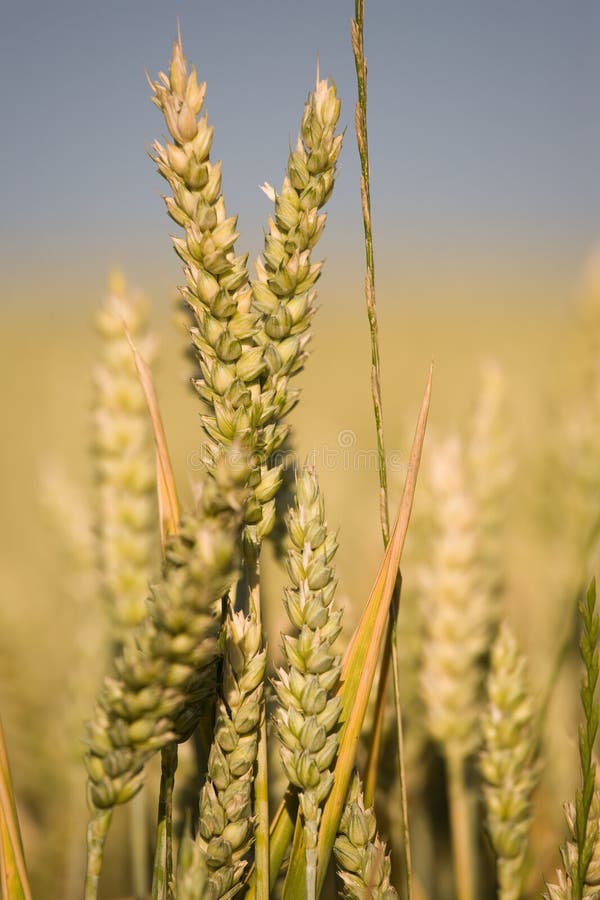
column 308, row 713
column 457, row 635
column 248, row 340
column 507, row 762
column 226, row 822
column 490, row 466
column 127, row 536
column 124, row 460
column 160, row 684
column 455, row 610
column 363, row 861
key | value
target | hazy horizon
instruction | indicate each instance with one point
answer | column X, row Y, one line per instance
column 484, row 140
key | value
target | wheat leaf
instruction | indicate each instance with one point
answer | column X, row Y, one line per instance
column 13, row 872
column 165, row 482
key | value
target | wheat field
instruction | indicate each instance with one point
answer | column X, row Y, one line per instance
column 214, row 680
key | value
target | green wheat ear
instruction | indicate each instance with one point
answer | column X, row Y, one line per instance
column 581, row 855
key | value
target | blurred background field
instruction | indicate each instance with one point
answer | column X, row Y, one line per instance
column 46, row 399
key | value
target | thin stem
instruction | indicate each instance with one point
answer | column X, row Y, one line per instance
column 390, row 651
column 139, row 845
column 588, row 730
column 261, row 782
column 365, row 195
column 96, row 837
column 162, row 880
column 460, row 821
column 311, row 873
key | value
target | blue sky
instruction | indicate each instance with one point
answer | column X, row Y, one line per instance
column 484, row 131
